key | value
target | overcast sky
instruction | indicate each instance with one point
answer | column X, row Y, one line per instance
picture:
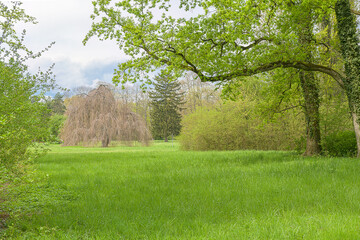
column 67, row 22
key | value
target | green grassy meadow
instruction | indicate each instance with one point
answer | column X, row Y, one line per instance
column 161, row 192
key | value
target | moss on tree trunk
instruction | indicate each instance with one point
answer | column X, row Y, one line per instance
column 310, row 89
column 312, row 116
column 350, row 49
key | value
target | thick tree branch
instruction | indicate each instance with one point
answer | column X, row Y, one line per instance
column 338, row 77
column 271, row 66
column 189, row 67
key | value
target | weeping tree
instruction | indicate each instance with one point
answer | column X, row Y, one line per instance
column 97, row 116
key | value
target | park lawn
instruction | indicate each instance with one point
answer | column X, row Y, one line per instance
column 161, row 192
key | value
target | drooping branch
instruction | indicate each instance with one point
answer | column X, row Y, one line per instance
column 98, row 116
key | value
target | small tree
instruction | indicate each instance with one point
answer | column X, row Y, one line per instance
column 99, row 117
column 166, row 100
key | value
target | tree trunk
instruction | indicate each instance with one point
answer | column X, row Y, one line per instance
column 310, row 89
column 312, row 116
column 350, row 49
column 357, row 132
column 311, row 110
column 166, row 138
column 105, row 142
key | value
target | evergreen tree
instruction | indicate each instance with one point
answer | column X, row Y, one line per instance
column 56, row 105
column 166, row 101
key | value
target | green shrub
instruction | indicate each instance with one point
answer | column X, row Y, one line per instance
column 55, row 124
column 341, row 144
column 235, row 126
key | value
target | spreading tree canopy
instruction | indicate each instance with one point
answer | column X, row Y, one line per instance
column 230, row 39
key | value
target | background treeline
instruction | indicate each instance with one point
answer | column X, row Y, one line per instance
column 253, row 113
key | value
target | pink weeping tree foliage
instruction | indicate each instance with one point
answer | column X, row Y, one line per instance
column 98, row 116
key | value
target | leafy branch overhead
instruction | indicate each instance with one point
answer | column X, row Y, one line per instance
column 224, row 40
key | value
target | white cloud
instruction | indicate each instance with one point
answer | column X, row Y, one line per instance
column 71, row 74
column 66, row 22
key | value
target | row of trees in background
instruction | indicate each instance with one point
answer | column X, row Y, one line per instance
column 251, row 114
column 124, row 114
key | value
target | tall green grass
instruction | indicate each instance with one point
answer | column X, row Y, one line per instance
column 160, row 192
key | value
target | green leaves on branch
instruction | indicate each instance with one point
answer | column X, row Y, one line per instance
column 23, row 117
column 222, row 39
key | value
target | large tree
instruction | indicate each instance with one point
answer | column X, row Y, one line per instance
column 349, row 42
column 228, row 40
column 98, row 117
column 23, row 116
column 166, row 101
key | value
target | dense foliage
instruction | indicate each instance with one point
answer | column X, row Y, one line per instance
column 340, row 144
column 237, row 125
column 349, row 45
column 166, row 101
column 23, row 116
column 56, row 123
column 56, row 104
